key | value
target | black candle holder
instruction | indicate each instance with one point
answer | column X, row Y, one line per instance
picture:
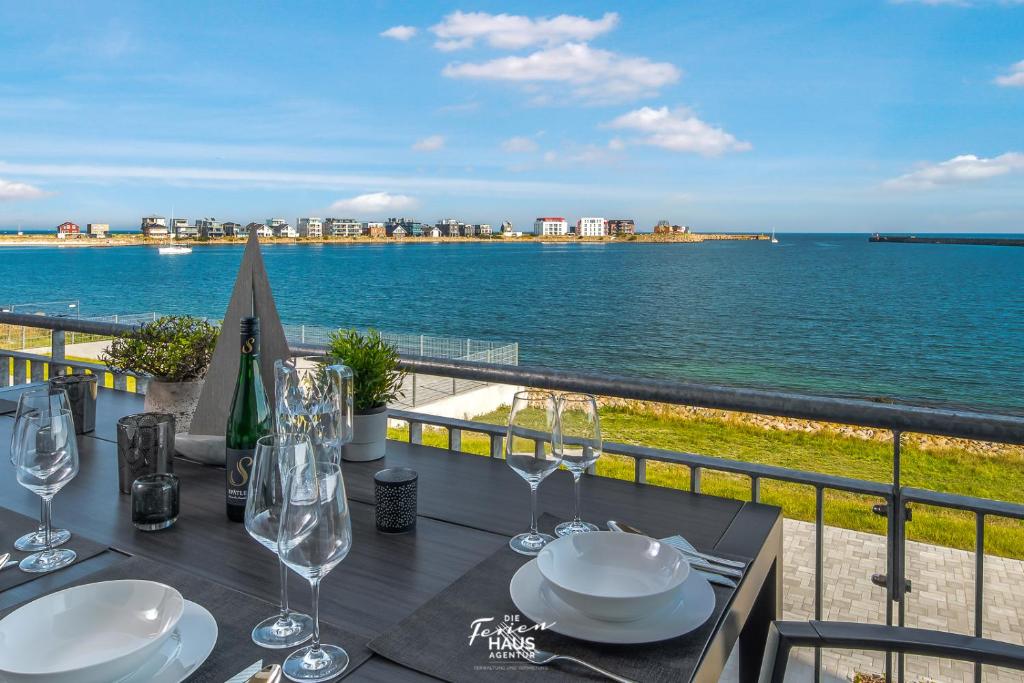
column 394, row 493
column 145, row 445
column 155, row 501
column 81, row 391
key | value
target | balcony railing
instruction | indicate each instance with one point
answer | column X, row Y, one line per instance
column 896, row 418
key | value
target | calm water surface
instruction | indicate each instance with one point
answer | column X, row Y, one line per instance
column 819, row 313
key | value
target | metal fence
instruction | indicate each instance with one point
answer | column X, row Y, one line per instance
column 896, row 418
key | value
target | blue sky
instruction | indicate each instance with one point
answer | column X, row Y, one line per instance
column 833, row 116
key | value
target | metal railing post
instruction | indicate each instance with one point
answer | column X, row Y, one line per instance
column 57, row 353
column 897, row 578
column 979, row 584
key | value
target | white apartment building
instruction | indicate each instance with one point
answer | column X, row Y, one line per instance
column 310, row 227
column 550, row 225
column 98, row 229
column 154, row 226
column 591, row 227
column 343, row 227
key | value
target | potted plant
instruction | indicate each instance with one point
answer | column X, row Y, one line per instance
column 175, row 352
column 377, row 381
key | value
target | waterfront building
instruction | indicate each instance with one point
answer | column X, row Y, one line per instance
column 591, row 227
column 506, row 227
column 409, row 227
column 433, row 231
column 343, row 227
column 310, row 227
column 98, row 230
column 177, row 225
column 621, row 226
column 374, row 229
column 231, row 229
column 262, row 230
column 187, row 232
column 154, row 226
column 550, row 225
column 481, row 230
column 209, row 228
column 398, row 232
column 283, row 229
column 665, row 228
column 451, row 227
column 68, row 229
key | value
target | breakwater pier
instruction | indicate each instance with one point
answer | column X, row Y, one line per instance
column 980, row 241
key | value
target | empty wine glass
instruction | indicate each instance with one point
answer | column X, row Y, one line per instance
column 578, row 441
column 314, row 397
column 46, row 459
column 41, row 400
column 532, row 426
column 315, row 535
column 274, row 457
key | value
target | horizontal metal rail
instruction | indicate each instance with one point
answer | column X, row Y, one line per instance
column 957, row 423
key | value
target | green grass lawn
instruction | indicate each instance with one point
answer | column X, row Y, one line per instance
column 999, row 477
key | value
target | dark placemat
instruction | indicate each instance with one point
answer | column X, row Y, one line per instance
column 236, row 613
column 435, row 638
column 13, row 525
column 7, row 407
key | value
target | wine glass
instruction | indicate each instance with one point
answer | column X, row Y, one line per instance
column 41, row 400
column 315, row 535
column 314, row 397
column 579, row 442
column 274, row 456
column 46, row 459
column 532, row 428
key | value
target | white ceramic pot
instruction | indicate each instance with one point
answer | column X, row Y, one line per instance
column 177, row 398
column 370, row 431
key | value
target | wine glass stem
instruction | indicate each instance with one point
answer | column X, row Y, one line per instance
column 533, row 509
column 315, row 586
column 284, row 590
column 576, row 493
column 46, row 522
column 42, row 515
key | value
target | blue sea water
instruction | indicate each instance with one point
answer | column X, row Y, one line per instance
column 821, row 313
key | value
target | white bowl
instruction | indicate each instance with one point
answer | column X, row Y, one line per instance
column 94, row 633
column 613, row 576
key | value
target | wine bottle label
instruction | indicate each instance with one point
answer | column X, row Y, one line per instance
column 238, row 465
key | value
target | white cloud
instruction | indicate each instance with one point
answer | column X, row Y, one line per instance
column 965, row 168
column 1014, row 78
column 460, row 30
column 402, row 33
column 374, row 203
column 593, row 74
column 431, row 143
column 519, row 144
column 678, row 130
column 12, row 192
column 616, row 145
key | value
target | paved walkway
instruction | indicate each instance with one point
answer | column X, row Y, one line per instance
column 942, row 597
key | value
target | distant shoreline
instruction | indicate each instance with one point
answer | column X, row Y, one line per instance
column 43, row 240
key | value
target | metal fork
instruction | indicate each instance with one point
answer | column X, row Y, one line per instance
column 542, row 658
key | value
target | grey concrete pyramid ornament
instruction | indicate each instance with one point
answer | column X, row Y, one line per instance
column 250, row 296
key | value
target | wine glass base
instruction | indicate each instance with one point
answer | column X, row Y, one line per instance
column 574, row 527
column 529, row 543
column 276, row 633
column 47, row 561
column 36, row 540
column 306, row 665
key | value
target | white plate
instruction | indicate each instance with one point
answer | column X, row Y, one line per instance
column 182, row 653
column 534, row 598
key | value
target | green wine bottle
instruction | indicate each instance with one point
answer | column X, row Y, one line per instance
column 248, row 420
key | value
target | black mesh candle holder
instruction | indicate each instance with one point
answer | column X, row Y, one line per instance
column 145, row 445
column 394, row 493
column 81, row 391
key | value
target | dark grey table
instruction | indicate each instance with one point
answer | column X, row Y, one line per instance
column 468, row 506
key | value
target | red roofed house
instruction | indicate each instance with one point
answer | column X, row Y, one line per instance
column 68, row 228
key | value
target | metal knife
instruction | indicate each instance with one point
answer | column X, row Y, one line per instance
column 271, row 673
column 246, row 674
column 681, row 544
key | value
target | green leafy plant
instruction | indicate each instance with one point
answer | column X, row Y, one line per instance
column 374, row 365
column 171, row 349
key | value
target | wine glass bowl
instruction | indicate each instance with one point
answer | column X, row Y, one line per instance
column 315, row 535
column 579, row 443
column 274, row 456
column 530, row 452
column 315, row 397
column 46, row 460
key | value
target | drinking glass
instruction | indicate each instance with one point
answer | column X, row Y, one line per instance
column 314, row 397
column 42, row 400
column 46, row 459
column 532, row 428
column 578, row 440
column 275, row 455
column 315, row 535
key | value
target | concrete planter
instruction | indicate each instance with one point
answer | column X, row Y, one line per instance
column 370, row 431
column 177, row 398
